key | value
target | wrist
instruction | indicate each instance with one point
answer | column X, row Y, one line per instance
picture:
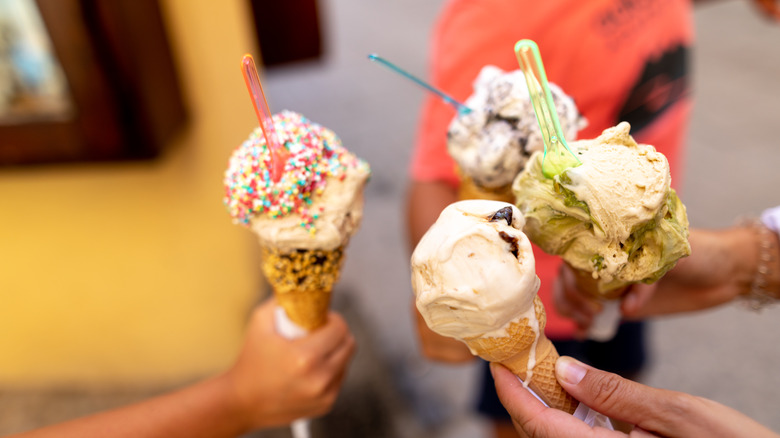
column 235, row 407
column 762, row 261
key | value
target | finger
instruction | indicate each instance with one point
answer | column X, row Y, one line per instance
column 334, row 371
column 333, row 385
column 262, row 317
column 570, row 298
column 517, row 400
column 580, row 310
column 530, row 416
column 636, row 298
column 638, row 432
column 653, row 409
column 324, row 340
column 341, row 355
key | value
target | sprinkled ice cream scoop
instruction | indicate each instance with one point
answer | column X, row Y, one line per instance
column 318, row 202
column 492, row 143
column 304, row 220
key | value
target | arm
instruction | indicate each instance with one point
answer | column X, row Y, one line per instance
column 721, row 267
column 654, row 412
column 273, row 382
column 425, row 202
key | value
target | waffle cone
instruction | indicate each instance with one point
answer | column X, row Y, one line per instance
column 596, row 289
column 468, row 189
column 514, row 350
column 302, row 281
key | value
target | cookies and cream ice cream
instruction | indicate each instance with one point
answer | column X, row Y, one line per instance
column 492, row 143
column 474, row 278
column 614, row 216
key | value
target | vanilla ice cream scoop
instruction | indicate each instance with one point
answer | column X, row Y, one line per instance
column 492, row 143
column 473, row 272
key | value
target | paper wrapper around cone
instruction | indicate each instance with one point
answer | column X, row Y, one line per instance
column 302, row 281
column 513, row 352
column 468, row 189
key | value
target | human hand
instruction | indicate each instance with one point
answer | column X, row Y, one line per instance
column 570, row 301
column 437, row 347
column 276, row 380
column 722, row 266
column 653, row 412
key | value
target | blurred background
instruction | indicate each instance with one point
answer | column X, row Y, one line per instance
column 122, row 276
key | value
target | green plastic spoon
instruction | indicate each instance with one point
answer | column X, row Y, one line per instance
column 557, row 155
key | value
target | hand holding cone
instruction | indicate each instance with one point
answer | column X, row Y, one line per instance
column 530, row 355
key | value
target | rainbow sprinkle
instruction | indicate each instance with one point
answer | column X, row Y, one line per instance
column 316, row 153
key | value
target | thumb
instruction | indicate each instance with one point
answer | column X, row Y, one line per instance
column 614, row 396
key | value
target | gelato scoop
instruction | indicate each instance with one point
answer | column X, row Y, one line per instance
column 614, row 217
column 473, row 271
column 317, row 204
column 474, row 278
column 305, row 220
column 492, row 143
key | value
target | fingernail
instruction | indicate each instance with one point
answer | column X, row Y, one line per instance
column 569, row 370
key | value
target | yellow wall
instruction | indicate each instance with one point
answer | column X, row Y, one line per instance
column 133, row 273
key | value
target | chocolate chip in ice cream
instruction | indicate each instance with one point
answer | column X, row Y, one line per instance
column 512, row 240
column 505, row 213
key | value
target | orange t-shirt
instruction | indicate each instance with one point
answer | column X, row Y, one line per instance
column 621, row 60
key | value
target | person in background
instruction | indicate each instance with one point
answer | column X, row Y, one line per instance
column 273, row 382
column 614, row 58
column 732, row 263
column 620, row 61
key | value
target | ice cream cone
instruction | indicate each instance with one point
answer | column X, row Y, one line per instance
column 530, row 355
column 468, row 189
column 302, row 281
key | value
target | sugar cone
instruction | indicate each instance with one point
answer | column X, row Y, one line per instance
column 514, row 351
column 468, row 189
column 302, row 281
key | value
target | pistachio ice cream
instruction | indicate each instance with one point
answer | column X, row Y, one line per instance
column 614, row 216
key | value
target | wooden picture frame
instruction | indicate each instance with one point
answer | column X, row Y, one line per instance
column 122, row 82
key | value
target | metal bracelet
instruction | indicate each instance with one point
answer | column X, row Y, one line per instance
column 759, row 296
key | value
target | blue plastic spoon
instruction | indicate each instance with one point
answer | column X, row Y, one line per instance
column 462, row 109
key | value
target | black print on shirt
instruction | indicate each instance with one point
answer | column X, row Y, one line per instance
column 663, row 82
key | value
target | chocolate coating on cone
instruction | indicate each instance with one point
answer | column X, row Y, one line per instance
column 513, row 352
column 302, row 282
